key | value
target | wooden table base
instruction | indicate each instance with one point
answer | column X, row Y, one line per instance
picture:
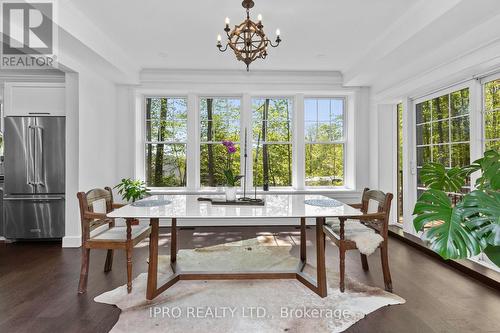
column 318, row 286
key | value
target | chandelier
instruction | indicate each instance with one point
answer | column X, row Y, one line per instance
column 247, row 40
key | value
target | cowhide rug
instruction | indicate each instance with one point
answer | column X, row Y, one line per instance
column 243, row 306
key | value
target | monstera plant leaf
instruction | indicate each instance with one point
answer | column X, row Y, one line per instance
column 493, row 253
column 482, row 212
column 490, row 171
column 437, row 177
column 451, row 239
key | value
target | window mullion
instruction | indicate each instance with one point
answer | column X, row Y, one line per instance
column 298, row 145
column 246, row 122
column 193, row 146
column 476, row 123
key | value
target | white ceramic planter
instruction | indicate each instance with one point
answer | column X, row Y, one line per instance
column 230, row 193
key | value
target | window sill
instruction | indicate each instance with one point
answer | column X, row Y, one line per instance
column 338, row 191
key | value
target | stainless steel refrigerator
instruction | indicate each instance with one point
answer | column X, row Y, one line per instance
column 34, row 177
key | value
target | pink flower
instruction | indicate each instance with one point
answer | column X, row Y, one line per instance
column 227, row 143
column 231, row 149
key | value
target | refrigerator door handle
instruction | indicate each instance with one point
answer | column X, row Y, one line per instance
column 30, row 161
column 39, row 156
column 32, row 199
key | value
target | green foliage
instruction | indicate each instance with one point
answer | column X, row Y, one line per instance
column 481, row 208
column 490, row 166
column 231, row 179
column 271, row 126
column 450, row 238
column 493, row 253
column 437, row 177
column 219, row 120
column 166, row 121
column 132, row 190
column 470, row 227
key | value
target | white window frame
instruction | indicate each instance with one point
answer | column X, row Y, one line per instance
column 343, row 142
column 483, row 82
column 239, row 142
column 298, row 141
column 482, row 258
column 249, row 125
column 449, row 119
column 146, row 142
column 410, row 193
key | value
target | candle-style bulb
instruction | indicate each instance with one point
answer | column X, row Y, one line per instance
column 259, row 17
column 219, row 38
column 278, row 32
column 227, row 21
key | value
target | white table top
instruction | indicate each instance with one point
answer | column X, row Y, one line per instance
column 276, row 206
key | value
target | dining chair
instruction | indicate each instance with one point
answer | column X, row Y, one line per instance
column 377, row 221
column 100, row 232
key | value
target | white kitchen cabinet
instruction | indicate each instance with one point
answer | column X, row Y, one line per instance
column 34, row 99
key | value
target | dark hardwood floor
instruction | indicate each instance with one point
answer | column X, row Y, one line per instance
column 38, row 287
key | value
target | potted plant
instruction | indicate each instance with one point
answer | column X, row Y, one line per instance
column 132, row 190
column 471, row 225
column 231, row 179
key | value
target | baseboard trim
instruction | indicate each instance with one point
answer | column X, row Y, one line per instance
column 72, row 241
column 476, row 271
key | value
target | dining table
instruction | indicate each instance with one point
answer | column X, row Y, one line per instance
column 284, row 210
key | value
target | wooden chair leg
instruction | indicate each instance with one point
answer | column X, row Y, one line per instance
column 109, row 261
column 84, row 271
column 385, row 267
column 364, row 262
column 342, row 268
column 129, row 270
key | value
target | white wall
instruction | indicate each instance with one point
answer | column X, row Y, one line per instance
column 97, row 131
column 387, row 152
column 125, row 133
column 362, row 127
column 91, row 141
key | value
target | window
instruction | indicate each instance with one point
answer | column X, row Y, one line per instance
column 219, row 120
column 166, row 136
column 491, row 115
column 399, row 131
column 272, row 136
column 442, row 131
column 178, row 154
column 324, row 141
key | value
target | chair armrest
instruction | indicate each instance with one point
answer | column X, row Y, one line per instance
column 371, row 216
column 97, row 216
column 118, row 205
column 358, row 206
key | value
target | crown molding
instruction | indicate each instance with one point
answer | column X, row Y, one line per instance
column 153, row 75
column 234, row 81
column 21, row 75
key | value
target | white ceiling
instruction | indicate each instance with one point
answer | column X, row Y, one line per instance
column 317, row 35
column 378, row 43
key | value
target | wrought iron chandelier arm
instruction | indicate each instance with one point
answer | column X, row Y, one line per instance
column 278, row 41
column 219, row 46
